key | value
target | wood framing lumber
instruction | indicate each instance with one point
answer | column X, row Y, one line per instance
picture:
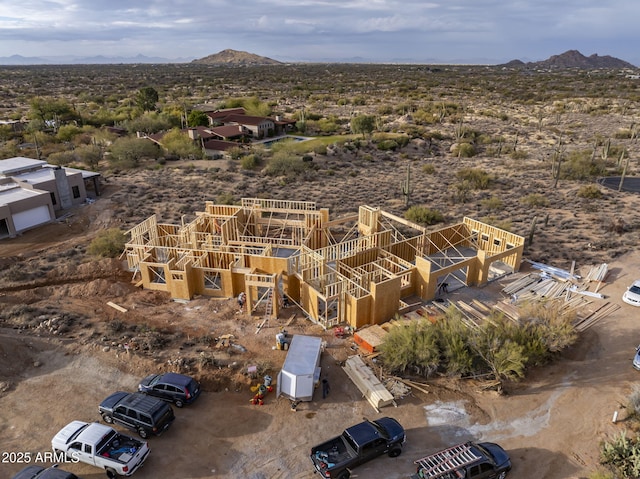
column 115, row 306
column 260, row 326
column 367, row 382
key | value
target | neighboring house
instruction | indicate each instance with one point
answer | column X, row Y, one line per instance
column 230, row 132
column 216, row 116
column 259, row 126
column 31, row 191
column 219, row 148
column 230, row 125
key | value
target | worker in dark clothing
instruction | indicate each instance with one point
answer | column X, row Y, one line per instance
column 325, row 388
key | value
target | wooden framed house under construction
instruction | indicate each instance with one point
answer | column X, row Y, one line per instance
column 358, row 270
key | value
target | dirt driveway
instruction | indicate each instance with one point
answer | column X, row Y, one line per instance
column 551, row 423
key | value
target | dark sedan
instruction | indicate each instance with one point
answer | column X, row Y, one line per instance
column 37, row 472
column 173, row 387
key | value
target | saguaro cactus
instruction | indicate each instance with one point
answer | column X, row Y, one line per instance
column 406, row 187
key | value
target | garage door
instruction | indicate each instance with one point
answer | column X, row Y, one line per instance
column 30, row 218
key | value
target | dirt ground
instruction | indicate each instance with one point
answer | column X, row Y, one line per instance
column 56, row 367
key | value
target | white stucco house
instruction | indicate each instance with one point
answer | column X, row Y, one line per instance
column 32, row 191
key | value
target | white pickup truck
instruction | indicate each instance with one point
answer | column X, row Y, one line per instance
column 101, row 446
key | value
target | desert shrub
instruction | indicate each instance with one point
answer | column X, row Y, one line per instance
column 634, row 400
column 108, row 244
column 286, row 165
column 250, row 162
column 546, row 329
column 423, row 215
column 461, row 191
column 386, row 145
column 478, row 179
column 464, row 150
column 126, row 152
column 622, row 454
column 493, row 342
column 601, row 475
column 453, row 339
column 579, row 166
column 590, row 192
column 225, row 198
column 493, row 203
column 429, row 168
column 518, row 155
column 498, row 223
column 412, row 347
column 61, row 158
column 320, row 149
column 327, row 126
column 623, row 134
column 535, row 199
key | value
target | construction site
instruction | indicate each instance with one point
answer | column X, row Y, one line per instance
column 356, row 270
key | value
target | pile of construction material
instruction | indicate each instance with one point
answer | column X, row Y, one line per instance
column 570, row 293
column 367, row 382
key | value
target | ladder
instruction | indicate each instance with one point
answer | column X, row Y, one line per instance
column 268, row 309
column 447, row 461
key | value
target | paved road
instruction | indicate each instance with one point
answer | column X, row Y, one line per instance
column 630, row 184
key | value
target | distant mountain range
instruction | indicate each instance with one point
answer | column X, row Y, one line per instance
column 75, row 60
column 568, row 59
column 572, row 59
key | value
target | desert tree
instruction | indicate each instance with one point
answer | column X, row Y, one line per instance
column 90, row 155
column 147, row 98
column 127, row 152
column 197, row 118
column 178, row 143
column 51, row 112
column 363, row 124
column 108, row 244
column 412, row 347
column 504, row 357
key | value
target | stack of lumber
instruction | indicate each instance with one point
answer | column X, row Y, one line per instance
column 603, row 311
column 597, row 273
column 369, row 338
column 367, row 382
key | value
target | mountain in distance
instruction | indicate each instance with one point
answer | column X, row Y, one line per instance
column 92, row 60
column 572, row 59
column 230, row 57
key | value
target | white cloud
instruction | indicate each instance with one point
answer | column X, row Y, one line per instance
column 375, row 29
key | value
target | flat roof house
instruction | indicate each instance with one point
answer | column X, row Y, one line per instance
column 31, row 191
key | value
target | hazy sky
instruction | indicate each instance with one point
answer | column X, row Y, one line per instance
column 456, row 31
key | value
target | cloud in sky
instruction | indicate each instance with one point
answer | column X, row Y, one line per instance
column 482, row 31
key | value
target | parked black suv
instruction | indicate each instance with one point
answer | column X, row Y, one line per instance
column 37, row 472
column 137, row 411
column 173, row 387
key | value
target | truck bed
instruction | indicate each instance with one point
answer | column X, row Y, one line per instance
column 332, row 453
column 120, row 448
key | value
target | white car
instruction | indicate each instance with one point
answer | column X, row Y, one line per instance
column 632, row 294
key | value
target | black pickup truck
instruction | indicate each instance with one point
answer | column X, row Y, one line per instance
column 357, row 445
column 484, row 460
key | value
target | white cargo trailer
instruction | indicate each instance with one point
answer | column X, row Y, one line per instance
column 301, row 369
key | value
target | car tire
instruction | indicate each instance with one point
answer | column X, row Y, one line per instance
column 142, row 432
column 344, row 475
column 395, row 452
column 107, row 418
column 502, row 475
column 179, row 403
column 111, row 473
